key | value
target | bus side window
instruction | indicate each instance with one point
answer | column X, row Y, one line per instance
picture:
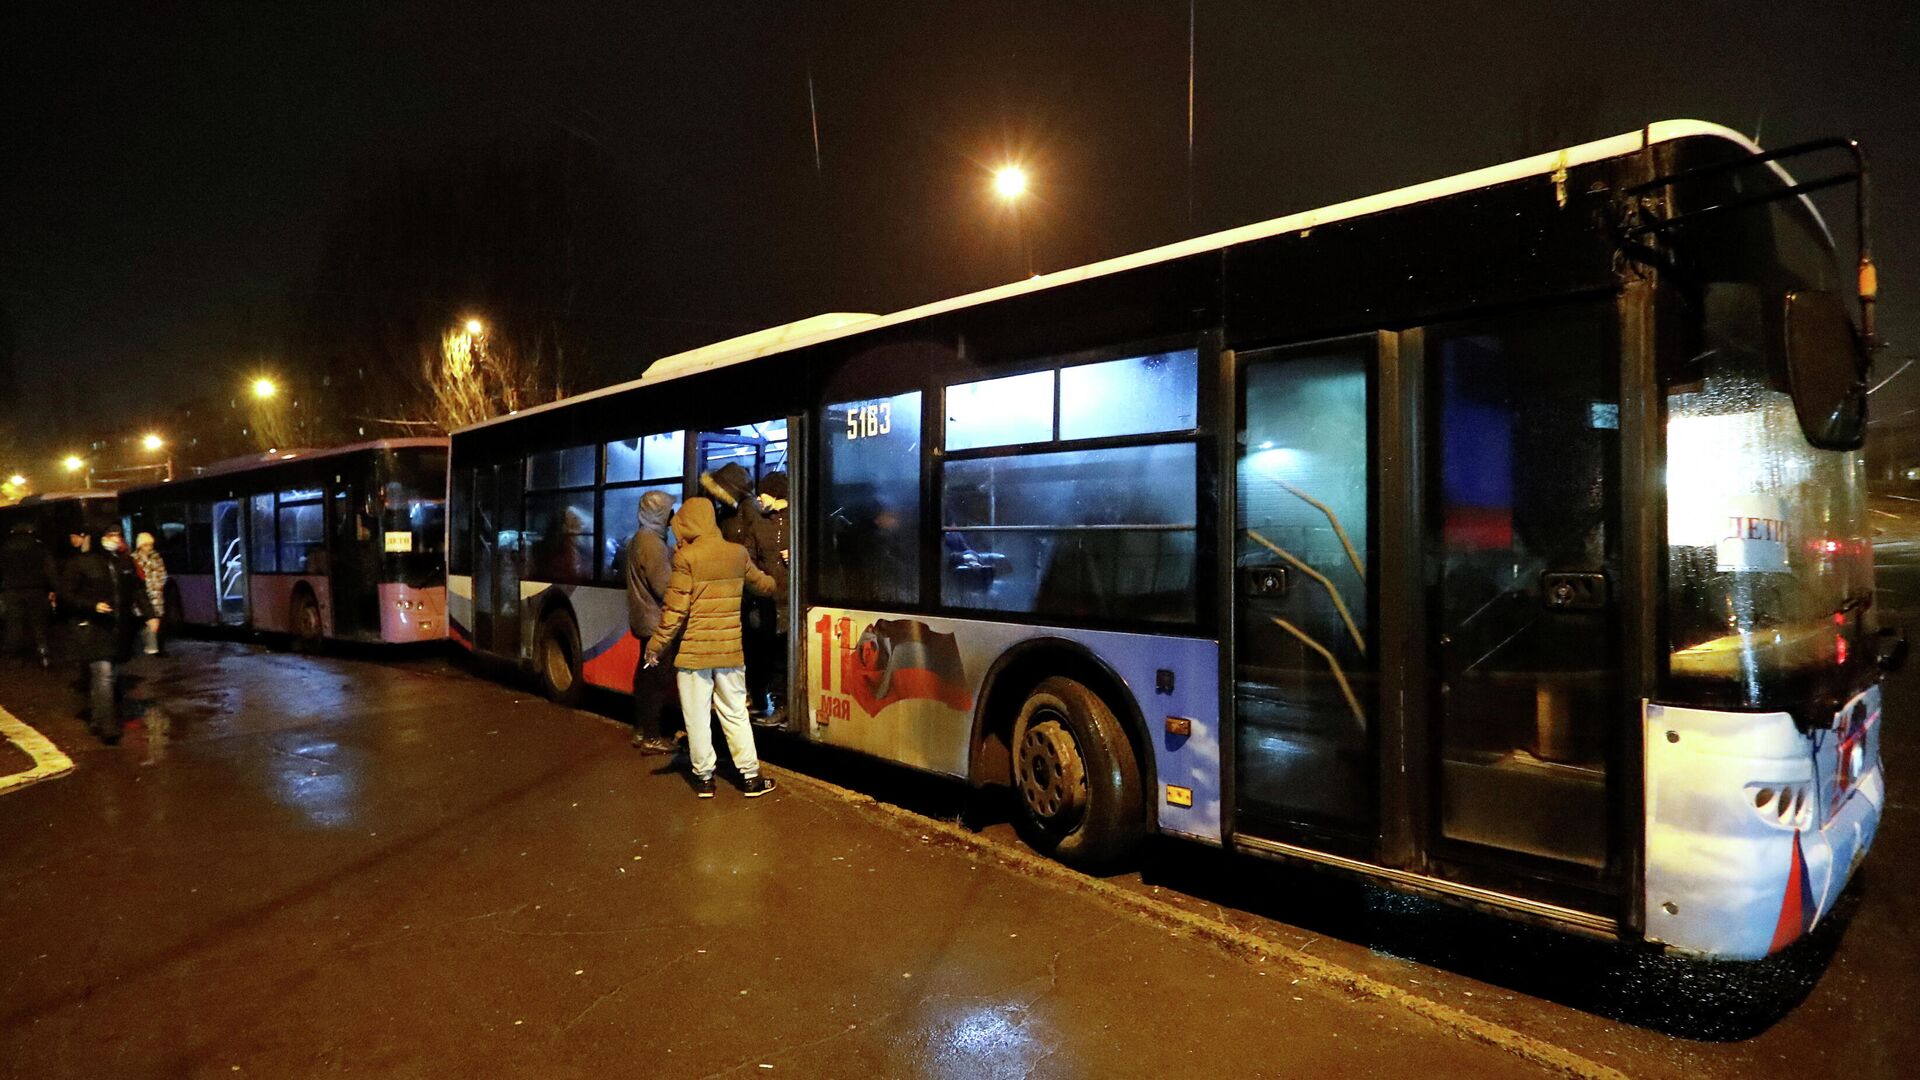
column 870, row 501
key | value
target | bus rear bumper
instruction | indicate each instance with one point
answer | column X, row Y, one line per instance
column 408, row 614
column 1749, row 840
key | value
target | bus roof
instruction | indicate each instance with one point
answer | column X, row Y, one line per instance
column 249, row 462
column 823, row 328
column 39, row 497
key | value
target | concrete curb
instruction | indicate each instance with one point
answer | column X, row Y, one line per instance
column 1231, row 938
column 48, row 760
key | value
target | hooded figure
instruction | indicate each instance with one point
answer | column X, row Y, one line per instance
column 702, row 612
column 648, row 565
column 648, row 572
column 731, row 487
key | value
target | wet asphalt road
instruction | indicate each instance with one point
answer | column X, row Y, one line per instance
column 314, row 866
column 299, row 867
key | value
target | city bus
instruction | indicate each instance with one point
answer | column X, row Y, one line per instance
column 1498, row 539
column 342, row 544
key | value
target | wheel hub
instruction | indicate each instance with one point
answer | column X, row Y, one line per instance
column 1052, row 774
column 559, row 670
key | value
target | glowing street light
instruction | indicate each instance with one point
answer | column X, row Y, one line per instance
column 73, row 463
column 154, row 444
column 1010, row 182
column 475, row 328
column 17, row 480
column 263, row 388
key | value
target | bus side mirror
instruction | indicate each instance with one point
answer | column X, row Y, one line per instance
column 1890, row 649
column 1826, row 370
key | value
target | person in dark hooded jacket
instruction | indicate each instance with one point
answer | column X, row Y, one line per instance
column 734, row 507
column 649, row 570
column 101, row 589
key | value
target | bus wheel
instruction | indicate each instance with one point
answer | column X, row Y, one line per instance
column 307, row 631
column 1075, row 776
column 556, row 658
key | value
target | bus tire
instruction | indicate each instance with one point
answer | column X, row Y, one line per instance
column 304, row 622
column 556, row 659
column 1075, row 779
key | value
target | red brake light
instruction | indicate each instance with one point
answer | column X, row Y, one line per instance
column 1839, row 649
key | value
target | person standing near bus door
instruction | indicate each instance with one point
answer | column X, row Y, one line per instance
column 26, row 591
column 649, row 571
column 702, row 613
column 742, row 521
column 102, row 589
column 773, row 551
column 153, row 575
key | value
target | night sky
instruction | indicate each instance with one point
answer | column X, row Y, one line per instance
column 170, row 169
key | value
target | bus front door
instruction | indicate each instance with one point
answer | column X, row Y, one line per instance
column 1521, row 562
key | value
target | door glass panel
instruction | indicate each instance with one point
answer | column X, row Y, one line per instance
column 229, row 555
column 486, row 545
column 1525, row 416
column 260, row 525
column 506, row 561
column 1305, row 663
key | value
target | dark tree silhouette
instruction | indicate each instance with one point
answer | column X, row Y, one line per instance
column 529, row 241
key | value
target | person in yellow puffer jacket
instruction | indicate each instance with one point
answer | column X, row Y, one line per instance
column 702, row 613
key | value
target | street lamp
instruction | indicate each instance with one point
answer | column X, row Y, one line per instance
column 73, row 463
column 17, row 480
column 264, row 388
column 153, row 443
column 475, row 328
column 1010, row 182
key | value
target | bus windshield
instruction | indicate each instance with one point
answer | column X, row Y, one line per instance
column 1770, row 564
column 414, row 516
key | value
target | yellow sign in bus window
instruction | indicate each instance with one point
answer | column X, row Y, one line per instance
column 400, row 542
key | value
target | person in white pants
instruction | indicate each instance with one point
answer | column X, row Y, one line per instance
column 726, row 690
column 702, row 612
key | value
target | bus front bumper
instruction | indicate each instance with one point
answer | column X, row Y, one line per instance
column 1753, row 828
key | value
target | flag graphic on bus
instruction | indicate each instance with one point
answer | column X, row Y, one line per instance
column 895, row 660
